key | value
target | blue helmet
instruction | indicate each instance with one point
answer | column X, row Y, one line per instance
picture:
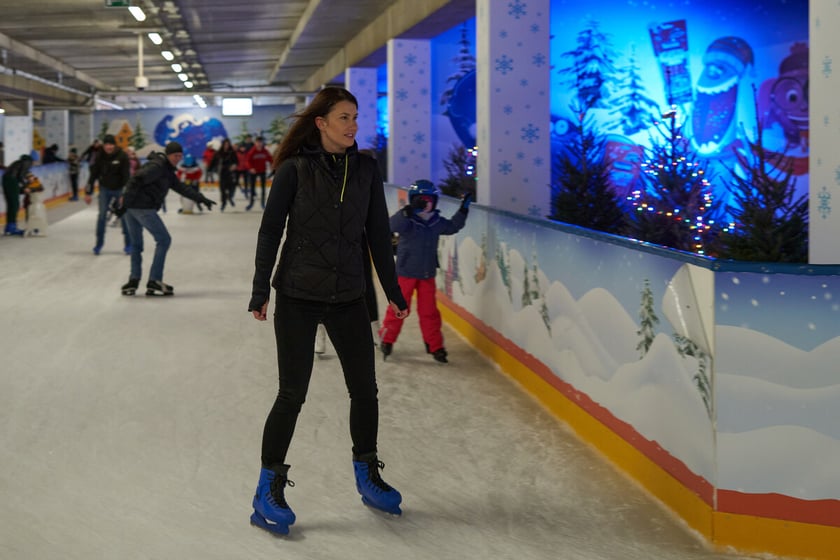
column 423, row 187
column 189, row 160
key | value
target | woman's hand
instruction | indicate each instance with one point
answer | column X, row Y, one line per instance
column 400, row 313
column 260, row 314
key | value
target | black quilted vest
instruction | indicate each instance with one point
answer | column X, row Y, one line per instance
column 322, row 256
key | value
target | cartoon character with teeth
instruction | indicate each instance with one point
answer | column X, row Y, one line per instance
column 783, row 106
column 714, row 119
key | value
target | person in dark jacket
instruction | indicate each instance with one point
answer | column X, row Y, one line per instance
column 326, row 196
column 13, row 182
column 110, row 170
column 419, row 225
column 142, row 198
column 224, row 162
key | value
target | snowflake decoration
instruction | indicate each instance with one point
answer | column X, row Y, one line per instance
column 410, row 59
column 523, row 82
column 535, row 28
column 826, row 65
column 362, row 82
column 504, row 64
column 424, row 92
column 502, row 34
column 530, row 133
column 507, row 110
column 538, row 162
column 520, row 155
column 538, row 60
column 403, row 159
column 505, row 168
column 825, row 203
column 419, row 137
column 402, row 94
column 837, row 175
column 535, row 211
column 517, row 9
column 825, row 120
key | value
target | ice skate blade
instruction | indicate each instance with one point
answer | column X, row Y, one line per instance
column 278, row 529
column 154, row 293
column 396, row 512
column 129, row 292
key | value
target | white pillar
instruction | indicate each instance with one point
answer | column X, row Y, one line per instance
column 514, row 114
column 17, row 138
column 81, row 131
column 361, row 82
column 409, row 111
column 824, row 159
column 57, row 130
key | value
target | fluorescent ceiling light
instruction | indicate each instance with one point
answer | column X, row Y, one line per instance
column 137, row 12
column 167, row 55
column 177, row 67
column 183, row 77
column 155, row 38
column 188, row 84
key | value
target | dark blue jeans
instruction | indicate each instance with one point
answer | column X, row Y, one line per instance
column 138, row 219
column 348, row 327
column 105, row 198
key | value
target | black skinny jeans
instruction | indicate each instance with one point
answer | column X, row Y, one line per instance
column 348, row 327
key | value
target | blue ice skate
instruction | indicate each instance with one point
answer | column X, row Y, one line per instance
column 375, row 492
column 271, row 512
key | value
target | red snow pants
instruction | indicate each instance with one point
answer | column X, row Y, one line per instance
column 427, row 312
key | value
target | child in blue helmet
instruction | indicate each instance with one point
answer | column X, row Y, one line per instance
column 419, row 225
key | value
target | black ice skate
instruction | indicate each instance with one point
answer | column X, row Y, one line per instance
column 158, row 288
column 440, row 355
column 130, row 287
column 387, row 348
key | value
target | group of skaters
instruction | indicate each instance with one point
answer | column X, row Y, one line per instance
column 240, row 167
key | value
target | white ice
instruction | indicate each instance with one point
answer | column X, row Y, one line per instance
column 130, row 426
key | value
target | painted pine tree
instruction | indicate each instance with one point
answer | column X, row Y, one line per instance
column 537, row 295
column 592, row 71
column 503, row 263
column 648, row 320
column 464, row 62
column 138, row 137
column 687, row 347
column 634, row 111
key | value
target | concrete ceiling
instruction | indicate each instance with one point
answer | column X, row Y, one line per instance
column 81, row 54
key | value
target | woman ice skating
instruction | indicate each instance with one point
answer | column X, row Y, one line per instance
column 326, row 196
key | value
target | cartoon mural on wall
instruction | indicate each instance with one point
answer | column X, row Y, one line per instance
column 701, row 61
column 192, row 132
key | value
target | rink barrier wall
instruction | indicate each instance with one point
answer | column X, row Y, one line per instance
column 727, row 520
column 726, row 532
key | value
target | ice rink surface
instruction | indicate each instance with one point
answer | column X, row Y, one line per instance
column 130, row 426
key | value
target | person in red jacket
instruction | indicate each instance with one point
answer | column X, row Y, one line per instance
column 207, row 158
column 259, row 160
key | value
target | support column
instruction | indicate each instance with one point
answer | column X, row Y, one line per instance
column 409, row 111
column 514, row 114
column 57, row 130
column 81, row 130
column 824, row 116
column 362, row 83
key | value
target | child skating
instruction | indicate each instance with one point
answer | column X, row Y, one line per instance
column 419, row 226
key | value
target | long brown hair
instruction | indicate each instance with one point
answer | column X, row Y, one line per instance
column 303, row 130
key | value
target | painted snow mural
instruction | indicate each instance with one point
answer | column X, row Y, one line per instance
column 632, row 331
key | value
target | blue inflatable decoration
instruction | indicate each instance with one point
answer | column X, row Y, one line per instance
column 461, row 109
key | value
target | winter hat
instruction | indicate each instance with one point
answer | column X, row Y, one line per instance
column 174, row 148
column 109, row 139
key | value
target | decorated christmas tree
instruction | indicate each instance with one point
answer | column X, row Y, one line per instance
column 769, row 225
column 675, row 209
column 138, row 138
